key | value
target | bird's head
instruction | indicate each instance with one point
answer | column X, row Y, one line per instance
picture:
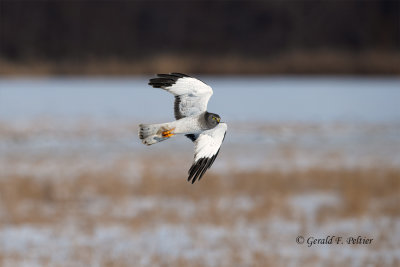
column 212, row 119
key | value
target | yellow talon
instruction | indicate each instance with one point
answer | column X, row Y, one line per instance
column 168, row 133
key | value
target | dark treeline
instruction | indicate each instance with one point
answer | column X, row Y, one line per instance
column 65, row 31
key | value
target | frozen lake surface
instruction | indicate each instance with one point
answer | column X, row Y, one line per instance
column 307, row 99
column 281, row 121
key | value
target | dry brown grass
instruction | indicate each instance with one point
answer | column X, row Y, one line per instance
column 357, row 188
column 102, row 212
column 51, row 203
column 291, row 62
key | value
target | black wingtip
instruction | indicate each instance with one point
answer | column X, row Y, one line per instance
column 166, row 80
column 194, row 170
column 200, row 167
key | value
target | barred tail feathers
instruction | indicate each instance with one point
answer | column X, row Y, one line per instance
column 153, row 133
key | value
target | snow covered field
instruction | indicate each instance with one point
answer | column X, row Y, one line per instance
column 77, row 188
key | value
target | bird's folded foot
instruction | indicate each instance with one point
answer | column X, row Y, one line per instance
column 167, row 133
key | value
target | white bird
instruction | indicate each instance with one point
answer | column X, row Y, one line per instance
column 192, row 120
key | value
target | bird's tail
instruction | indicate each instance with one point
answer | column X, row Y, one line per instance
column 154, row 133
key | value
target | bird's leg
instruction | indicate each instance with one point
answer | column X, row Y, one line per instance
column 167, row 133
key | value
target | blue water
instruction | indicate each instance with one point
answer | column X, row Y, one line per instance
column 309, row 99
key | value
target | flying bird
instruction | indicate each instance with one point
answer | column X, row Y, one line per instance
column 193, row 120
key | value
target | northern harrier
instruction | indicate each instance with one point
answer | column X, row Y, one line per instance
column 192, row 120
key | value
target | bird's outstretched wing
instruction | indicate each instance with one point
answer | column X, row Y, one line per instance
column 191, row 95
column 206, row 150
